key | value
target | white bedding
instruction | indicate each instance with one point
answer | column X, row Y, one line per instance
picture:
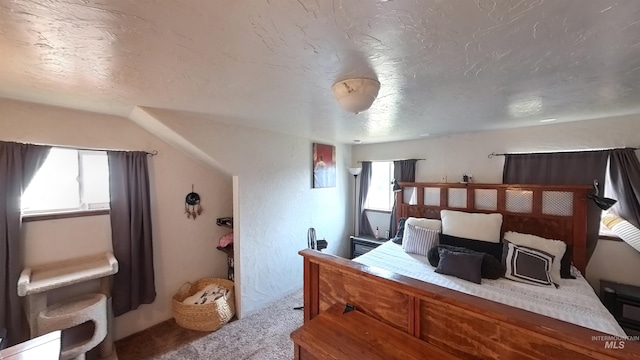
column 574, row 301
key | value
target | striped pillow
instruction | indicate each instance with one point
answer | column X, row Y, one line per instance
column 417, row 240
column 624, row 229
column 527, row 265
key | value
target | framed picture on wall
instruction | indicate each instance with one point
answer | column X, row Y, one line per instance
column 324, row 166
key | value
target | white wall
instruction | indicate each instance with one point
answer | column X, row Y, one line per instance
column 184, row 250
column 276, row 204
column 78, row 237
column 454, row 155
column 379, row 220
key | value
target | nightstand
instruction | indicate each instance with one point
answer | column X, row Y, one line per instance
column 362, row 244
column 622, row 300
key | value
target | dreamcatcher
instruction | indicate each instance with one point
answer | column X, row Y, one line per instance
column 192, row 205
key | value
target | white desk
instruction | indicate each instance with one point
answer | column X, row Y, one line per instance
column 45, row 347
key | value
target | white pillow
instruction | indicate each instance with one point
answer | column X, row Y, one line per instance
column 417, row 240
column 433, row 224
column 476, row 226
column 556, row 248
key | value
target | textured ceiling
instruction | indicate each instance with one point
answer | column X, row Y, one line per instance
column 444, row 66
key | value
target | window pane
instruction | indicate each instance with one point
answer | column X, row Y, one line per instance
column 380, row 190
column 95, row 177
column 55, row 185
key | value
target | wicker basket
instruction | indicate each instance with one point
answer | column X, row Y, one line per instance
column 207, row 317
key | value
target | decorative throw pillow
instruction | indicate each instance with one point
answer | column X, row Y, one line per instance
column 419, row 241
column 476, row 226
column 527, row 265
column 491, row 267
column 433, row 224
column 461, row 265
column 400, row 231
column 494, row 249
column 556, row 248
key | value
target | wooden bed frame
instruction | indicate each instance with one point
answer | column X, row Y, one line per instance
column 462, row 324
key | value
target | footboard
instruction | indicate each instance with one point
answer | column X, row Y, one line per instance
column 458, row 323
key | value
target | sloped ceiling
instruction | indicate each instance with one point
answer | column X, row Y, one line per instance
column 445, row 66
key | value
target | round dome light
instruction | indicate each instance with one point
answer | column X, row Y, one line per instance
column 356, row 95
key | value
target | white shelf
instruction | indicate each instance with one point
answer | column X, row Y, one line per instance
column 38, row 279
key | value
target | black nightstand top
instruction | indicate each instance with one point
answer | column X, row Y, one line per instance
column 369, row 238
column 362, row 244
column 622, row 290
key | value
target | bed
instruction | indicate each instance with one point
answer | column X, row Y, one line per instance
column 498, row 319
column 573, row 301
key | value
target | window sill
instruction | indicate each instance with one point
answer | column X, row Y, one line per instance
column 64, row 215
column 609, row 237
column 378, row 211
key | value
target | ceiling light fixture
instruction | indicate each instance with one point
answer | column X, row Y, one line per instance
column 547, row 120
column 356, row 95
column 526, row 106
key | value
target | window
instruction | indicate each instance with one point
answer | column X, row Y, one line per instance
column 380, row 195
column 69, row 180
column 604, row 231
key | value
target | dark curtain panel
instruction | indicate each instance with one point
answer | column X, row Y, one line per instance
column 365, row 183
column 624, row 178
column 131, row 230
column 18, row 165
column 563, row 168
column 403, row 171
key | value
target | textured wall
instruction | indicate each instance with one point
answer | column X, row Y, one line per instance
column 184, row 250
column 276, row 204
column 452, row 156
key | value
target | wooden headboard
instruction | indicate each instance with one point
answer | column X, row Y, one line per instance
column 550, row 211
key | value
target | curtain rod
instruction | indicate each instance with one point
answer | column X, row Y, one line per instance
column 548, row 152
column 150, row 154
column 361, row 161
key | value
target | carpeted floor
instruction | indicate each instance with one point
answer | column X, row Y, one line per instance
column 263, row 335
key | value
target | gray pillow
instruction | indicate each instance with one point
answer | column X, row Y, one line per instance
column 461, row 265
column 491, row 267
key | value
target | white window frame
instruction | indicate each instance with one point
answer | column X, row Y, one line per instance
column 388, row 182
column 83, row 206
